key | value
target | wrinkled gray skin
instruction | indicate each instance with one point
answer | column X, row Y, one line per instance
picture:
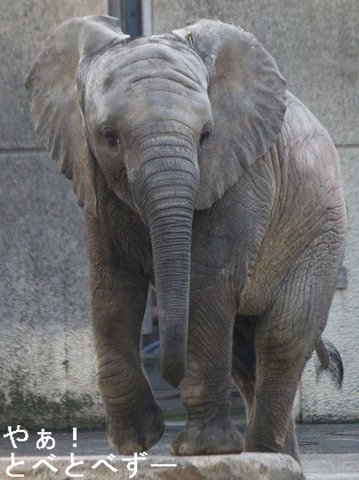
column 198, row 173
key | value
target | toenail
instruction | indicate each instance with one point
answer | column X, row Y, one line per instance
column 184, row 449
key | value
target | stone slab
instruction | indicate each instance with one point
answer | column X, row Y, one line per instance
column 247, row 466
column 23, row 27
column 316, row 45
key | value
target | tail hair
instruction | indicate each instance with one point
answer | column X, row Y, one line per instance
column 329, row 362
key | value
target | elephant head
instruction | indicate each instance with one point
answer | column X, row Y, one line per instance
column 171, row 121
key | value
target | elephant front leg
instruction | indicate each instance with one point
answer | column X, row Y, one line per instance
column 134, row 421
column 206, row 387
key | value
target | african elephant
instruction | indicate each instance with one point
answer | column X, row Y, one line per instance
column 199, row 173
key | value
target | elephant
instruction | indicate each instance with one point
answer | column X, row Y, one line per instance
column 198, row 173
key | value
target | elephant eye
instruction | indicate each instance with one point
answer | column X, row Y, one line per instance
column 111, row 137
column 205, row 133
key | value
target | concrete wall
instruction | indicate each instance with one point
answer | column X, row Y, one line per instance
column 43, row 269
column 320, row 402
column 46, row 356
column 316, row 45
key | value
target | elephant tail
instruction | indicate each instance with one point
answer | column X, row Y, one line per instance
column 330, row 362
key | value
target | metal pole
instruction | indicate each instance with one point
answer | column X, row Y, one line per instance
column 131, row 17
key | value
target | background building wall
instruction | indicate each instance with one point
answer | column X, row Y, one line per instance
column 46, row 355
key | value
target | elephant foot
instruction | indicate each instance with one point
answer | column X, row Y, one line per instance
column 135, row 433
column 218, row 436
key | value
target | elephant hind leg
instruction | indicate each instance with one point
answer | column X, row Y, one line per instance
column 285, row 339
column 244, row 374
column 244, row 359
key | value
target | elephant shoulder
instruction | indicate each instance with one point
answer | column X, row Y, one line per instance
column 300, row 123
column 305, row 142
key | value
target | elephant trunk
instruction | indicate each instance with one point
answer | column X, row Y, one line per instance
column 167, row 196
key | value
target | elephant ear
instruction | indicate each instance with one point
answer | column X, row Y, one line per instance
column 247, row 95
column 51, row 83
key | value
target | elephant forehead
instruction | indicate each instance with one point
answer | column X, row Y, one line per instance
column 144, row 82
column 138, row 62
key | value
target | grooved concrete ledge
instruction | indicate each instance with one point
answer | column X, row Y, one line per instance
column 247, row 466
